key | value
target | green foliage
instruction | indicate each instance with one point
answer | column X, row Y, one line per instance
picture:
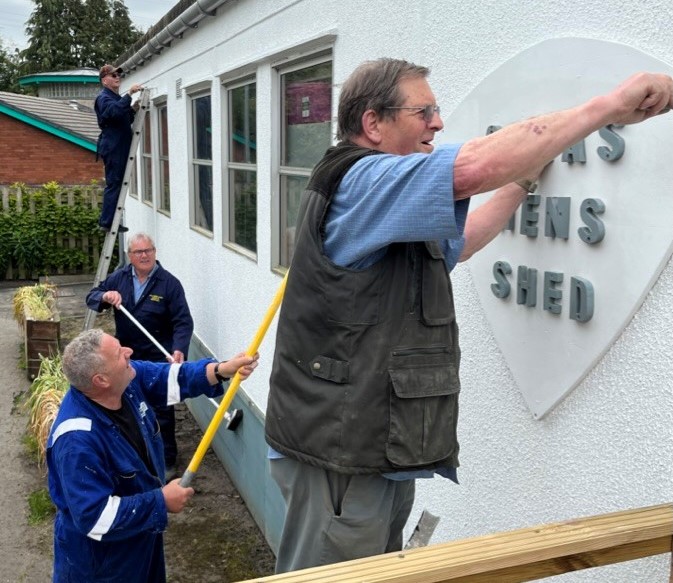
column 39, row 235
column 32, row 447
column 9, row 70
column 40, row 506
column 69, row 34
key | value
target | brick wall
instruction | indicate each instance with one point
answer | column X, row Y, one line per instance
column 33, row 156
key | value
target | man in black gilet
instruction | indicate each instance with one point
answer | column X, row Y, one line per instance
column 364, row 386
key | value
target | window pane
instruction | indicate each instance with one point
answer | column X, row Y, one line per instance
column 164, row 165
column 203, row 199
column 307, row 128
column 243, row 138
column 163, row 131
column 165, row 194
column 291, row 190
column 243, row 201
column 147, row 136
column 202, row 128
column 147, row 179
column 133, row 181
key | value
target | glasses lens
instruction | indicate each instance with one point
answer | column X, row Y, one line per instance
column 113, row 75
column 429, row 112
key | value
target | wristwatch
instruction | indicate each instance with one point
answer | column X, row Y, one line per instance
column 218, row 376
column 527, row 185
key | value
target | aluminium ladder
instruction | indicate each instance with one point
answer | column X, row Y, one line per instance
column 111, row 235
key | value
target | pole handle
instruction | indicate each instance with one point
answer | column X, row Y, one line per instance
column 208, row 436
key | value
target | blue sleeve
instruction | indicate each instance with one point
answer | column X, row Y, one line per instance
column 94, row 299
column 385, row 199
column 167, row 384
column 111, row 109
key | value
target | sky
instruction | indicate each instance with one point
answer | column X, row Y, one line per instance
column 15, row 13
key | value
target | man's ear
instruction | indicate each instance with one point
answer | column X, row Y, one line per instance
column 370, row 126
column 100, row 381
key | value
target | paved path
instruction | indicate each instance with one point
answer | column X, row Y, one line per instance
column 25, row 551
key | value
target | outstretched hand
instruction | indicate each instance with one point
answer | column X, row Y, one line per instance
column 241, row 363
column 642, row 96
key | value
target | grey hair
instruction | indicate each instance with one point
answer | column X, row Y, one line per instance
column 139, row 237
column 82, row 358
column 373, row 85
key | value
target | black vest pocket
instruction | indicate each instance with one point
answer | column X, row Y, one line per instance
column 423, row 412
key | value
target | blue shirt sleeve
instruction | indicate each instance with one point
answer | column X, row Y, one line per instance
column 385, row 199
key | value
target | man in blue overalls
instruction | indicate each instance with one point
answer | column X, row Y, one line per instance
column 157, row 300
column 115, row 115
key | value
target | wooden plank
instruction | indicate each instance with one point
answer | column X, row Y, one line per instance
column 509, row 557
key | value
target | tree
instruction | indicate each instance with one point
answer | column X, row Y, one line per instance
column 9, row 70
column 70, row 34
column 123, row 34
column 51, row 32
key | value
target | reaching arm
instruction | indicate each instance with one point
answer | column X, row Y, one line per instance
column 484, row 223
column 515, row 151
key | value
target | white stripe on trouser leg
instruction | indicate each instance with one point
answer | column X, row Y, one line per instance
column 106, row 518
column 173, row 395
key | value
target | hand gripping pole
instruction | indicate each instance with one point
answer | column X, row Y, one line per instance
column 208, row 436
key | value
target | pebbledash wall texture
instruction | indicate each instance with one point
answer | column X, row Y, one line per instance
column 32, row 156
column 608, row 444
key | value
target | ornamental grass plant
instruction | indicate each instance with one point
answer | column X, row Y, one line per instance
column 37, row 302
column 44, row 398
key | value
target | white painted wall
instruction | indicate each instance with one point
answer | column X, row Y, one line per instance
column 609, row 445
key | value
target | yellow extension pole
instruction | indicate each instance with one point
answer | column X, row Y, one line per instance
column 208, row 436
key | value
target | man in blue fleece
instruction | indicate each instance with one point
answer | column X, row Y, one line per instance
column 157, row 300
column 105, row 458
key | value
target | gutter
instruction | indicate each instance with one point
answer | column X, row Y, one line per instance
column 161, row 36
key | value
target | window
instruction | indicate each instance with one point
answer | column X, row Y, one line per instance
column 306, row 132
column 202, row 163
column 241, row 166
column 164, row 178
column 146, row 160
column 133, row 180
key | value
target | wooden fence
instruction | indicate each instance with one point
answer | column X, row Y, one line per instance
column 16, row 199
column 511, row 557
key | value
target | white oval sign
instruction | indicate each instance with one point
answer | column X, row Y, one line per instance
column 560, row 286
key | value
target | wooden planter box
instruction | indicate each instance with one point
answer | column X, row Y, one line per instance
column 42, row 337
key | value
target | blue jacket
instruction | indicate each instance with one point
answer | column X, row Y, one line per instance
column 115, row 116
column 111, row 511
column 162, row 309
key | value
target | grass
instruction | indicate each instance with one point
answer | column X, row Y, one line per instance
column 44, row 398
column 38, row 301
column 40, row 507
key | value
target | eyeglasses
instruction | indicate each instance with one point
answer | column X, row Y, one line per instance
column 428, row 110
column 113, row 75
column 139, row 252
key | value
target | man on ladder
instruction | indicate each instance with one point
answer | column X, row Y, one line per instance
column 115, row 115
column 121, row 124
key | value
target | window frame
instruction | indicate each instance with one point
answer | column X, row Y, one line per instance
column 195, row 93
column 163, row 159
column 284, row 172
column 146, row 161
column 229, row 167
